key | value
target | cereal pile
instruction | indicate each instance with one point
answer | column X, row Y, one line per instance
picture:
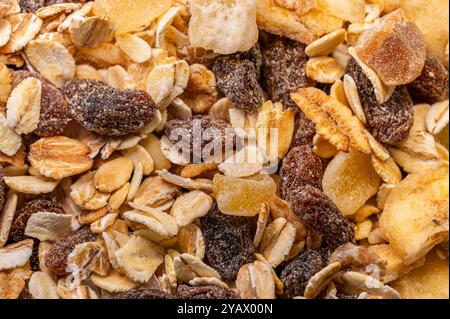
column 127, row 129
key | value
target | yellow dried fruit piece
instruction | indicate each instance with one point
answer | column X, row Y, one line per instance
column 415, row 216
column 224, row 26
column 350, row 181
column 59, row 157
column 131, row 16
column 113, row 174
column 427, row 282
column 243, row 196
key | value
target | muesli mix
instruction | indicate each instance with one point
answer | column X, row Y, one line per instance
column 226, row 149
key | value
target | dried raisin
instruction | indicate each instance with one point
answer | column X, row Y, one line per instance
column 56, row 259
column 213, row 132
column 54, row 117
column 432, row 85
column 284, row 69
column 238, row 80
column 228, row 241
column 40, row 204
column 254, row 55
column 318, row 212
column 205, row 292
column 143, row 294
column 299, row 271
column 2, row 189
column 305, row 130
column 300, row 168
column 357, row 258
column 107, row 111
column 391, row 121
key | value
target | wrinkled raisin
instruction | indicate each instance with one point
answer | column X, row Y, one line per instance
column 56, row 259
column 205, row 292
column 25, row 293
column 254, row 55
column 228, row 241
column 300, row 167
column 40, row 204
column 34, row 258
column 299, row 271
column 213, row 132
column 432, row 85
column 54, row 117
column 357, row 258
column 107, row 111
column 305, row 130
column 284, row 69
column 238, row 80
column 34, row 5
column 390, row 122
column 318, row 212
column 2, row 189
column 143, row 294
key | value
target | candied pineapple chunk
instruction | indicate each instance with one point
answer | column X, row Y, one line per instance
column 350, row 181
column 415, row 216
column 243, row 196
column 427, row 282
column 130, row 16
column 224, row 26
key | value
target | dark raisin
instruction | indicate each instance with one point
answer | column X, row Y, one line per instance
column 432, row 85
column 34, row 5
column 143, row 294
column 228, row 241
column 305, row 130
column 107, row 111
column 205, row 292
column 254, row 55
column 2, row 188
column 284, row 69
column 358, row 258
column 39, row 204
column 390, row 122
column 300, row 167
column 238, row 80
column 54, row 117
column 214, row 134
column 298, row 272
column 318, row 212
column 56, row 259
column 34, row 258
column 25, row 293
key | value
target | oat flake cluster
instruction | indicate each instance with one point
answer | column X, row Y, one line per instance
column 97, row 200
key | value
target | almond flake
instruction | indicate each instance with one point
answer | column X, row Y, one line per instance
column 31, row 184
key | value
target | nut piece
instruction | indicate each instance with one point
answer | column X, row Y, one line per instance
column 59, row 157
column 191, row 206
column 139, row 259
column 113, row 174
column 107, row 111
column 15, row 255
column 52, row 60
column 224, row 27
column 395, row 48
column 255, row 281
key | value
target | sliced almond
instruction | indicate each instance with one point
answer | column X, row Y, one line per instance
column 191, row 206
column 52, row 60
column 16, row 255
column 351, row 92
column 42, row 286
column 59, row 157
column 25, row 27
column 31, row 184
column 48, row 226
column 137, row 49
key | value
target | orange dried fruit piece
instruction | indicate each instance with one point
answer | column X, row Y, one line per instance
column 243, row 196
column 131, row 16
column 415, row 216
column 350, row 181
column 59, row 157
